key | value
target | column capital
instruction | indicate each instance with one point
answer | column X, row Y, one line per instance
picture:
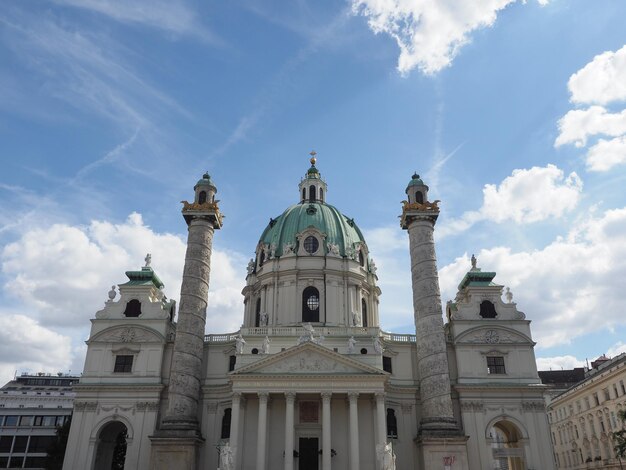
column 237, row 396
column 353, row 396
column 380, row 396
column 290, row 397
column 326, row 396
column 263, row 397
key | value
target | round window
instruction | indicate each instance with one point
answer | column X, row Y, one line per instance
column 313, row 302
column 311, row 244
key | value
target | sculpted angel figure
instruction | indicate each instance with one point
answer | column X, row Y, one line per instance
column 263, row 319
column 226, row 457
column 266, row 345
column 240, row 342
column 378, row 346
column 351, row 345
column 356, row 319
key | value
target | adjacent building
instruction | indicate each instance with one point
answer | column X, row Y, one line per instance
column 310, row 381
column 583, row 417
column 31, row 409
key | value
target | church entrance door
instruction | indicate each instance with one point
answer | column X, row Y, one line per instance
column 308, row 454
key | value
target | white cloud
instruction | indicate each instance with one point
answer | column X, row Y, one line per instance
column 616, row 349
column 26, row 345
column 522, row 198
column 578, row 125
column 429, row 34
column 567, row 288
column 559, row 363
column 607, row 153
column 602, row 80
column 62, row 273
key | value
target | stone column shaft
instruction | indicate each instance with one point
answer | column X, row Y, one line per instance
column 290, row 399
column 353, row 399
column 326, row 429
column 234, row 427
column 186, row 371
column 261, row 440
column 432, row 359
column 381, row 420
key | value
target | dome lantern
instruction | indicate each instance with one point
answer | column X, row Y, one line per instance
column 312, row 186
column 416, row 190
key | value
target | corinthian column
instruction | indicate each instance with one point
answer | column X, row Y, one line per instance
column 175, row 444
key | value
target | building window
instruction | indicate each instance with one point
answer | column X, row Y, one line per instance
column 310, row 305
column 20, row 444
column 364, row 312
column 133, row 308
column 10, row 421
column 596, row 400
column 123, row 363
column 387, row 364
column 226, row 424
column 257, row 314
column 202, row 197
column 232, row 360
column 606, row 394
column 495, row 365
column 621, row 382
column 361, row 258
column 419, row 198
column 311, row 193
column 5, row 444
column 392, row 424
column 311, row 244
column 487, row 309
column 321, row 195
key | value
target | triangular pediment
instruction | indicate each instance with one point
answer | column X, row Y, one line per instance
column 308, row 359
column 492, row 334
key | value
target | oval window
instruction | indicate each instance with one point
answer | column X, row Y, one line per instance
column 311, row 244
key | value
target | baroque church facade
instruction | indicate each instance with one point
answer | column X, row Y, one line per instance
column 310, row 381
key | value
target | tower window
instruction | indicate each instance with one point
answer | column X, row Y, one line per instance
column 202, row 197
column 257, row 314
column 361, row 258
column 133, row 308
column 495, row 365
column 261, row 258
column 487, row 309
column 387, row 364
column 419, row 198
column 232, row 360
column 364, row 312
column 123, row 363
column 303, row 194
column 392, row 424
column 226, row 423
column 311, row 244
column 310, row 305
column 311, row 193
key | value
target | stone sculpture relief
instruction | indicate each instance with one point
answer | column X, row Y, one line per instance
column 309, row 362
column 239, row 344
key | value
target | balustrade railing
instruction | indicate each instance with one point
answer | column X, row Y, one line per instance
column 297, row 331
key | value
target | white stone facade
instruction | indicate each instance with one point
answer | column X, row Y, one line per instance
column 311, row 381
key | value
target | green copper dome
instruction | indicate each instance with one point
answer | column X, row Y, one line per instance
column 339, row 229
column 205, row 181
column 415, row 181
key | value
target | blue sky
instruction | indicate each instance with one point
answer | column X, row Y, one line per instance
column 513, row 113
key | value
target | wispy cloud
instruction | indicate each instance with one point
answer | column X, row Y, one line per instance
column 173, row 16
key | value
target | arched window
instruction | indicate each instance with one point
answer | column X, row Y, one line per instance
column 392, row 424
column 304, row 194
column 311, row 193
column 321, row 195
column 257, row 314
column 111, row 447
column 310, row 305
column 361, row 258
column 419, row 198
column 364, row 312
column 261, row 258
column 133, row 308
column 202, row 197
column 505, row 435
column 487, row 309
column 226, row 424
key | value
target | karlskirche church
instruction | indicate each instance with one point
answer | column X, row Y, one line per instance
column 310, row 381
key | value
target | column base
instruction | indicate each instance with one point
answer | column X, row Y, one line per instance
column 175, row 449
column 439, row 427
column 449, row 453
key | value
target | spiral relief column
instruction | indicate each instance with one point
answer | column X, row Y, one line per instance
column 437, row 427
column 176, row 443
